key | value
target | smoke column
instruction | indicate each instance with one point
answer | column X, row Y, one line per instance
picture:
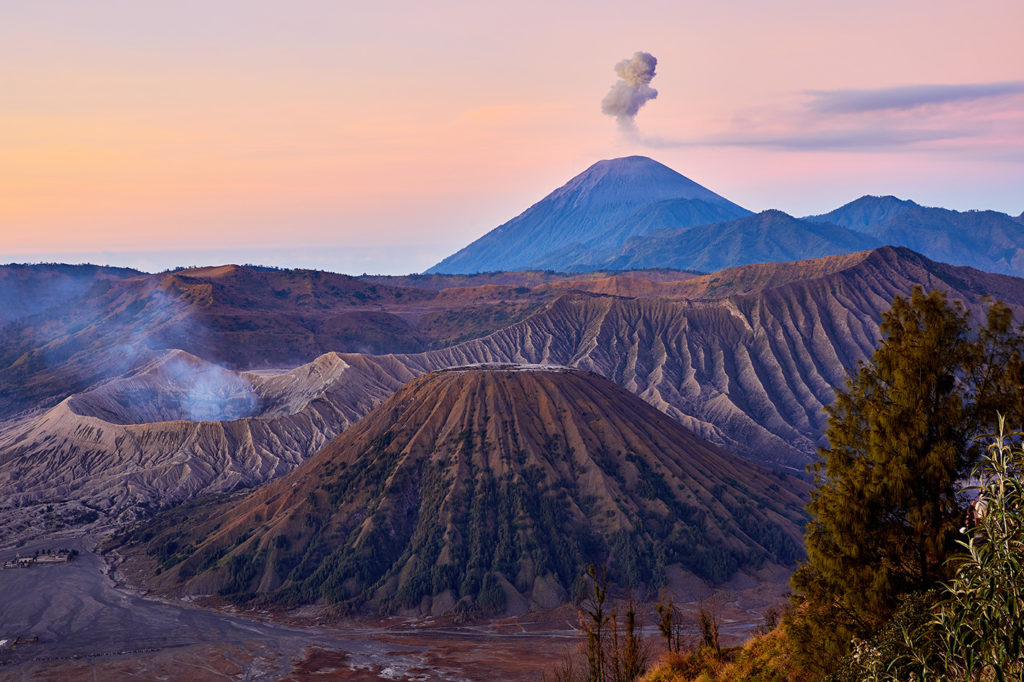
column 632, row 90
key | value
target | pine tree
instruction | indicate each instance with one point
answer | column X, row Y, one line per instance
column 886, row 508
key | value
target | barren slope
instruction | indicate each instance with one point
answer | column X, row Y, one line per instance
column 485, row 489
column 746, row 357
column 149, row 440
column 239, row 317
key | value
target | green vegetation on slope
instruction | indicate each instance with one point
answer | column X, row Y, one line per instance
column 473, row 487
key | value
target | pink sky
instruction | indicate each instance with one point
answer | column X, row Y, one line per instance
column 358, row 138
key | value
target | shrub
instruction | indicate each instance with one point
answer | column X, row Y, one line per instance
column 976, row 627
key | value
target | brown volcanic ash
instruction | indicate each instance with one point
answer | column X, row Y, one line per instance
column 488, row 489
column 140, row 442
column 29, row 290
column 745, row 357
column 238, row 317
column 750, row 367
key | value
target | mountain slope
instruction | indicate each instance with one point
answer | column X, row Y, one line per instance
column 486, row 489
column 181, row 426
column 27, row 290
column 745, row 357
column 649, row 219
column 591, row 205
column 752, row 370
column 769, row 236
column 987, row 240
column 238, row 317
column 864, row 213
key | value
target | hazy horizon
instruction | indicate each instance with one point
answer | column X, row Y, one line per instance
column 407, row 131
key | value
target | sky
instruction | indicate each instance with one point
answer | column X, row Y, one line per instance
column 381, row 137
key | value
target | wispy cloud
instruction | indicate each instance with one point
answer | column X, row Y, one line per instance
column 858, row 139
column 906, row 97
column 977, row 119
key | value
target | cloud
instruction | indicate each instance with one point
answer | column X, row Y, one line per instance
column 866, row 139
column 632, row 90
column 968, row 121
column 906, row 97
column 849, row 139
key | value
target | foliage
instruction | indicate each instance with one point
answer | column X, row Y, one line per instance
column 764, row 658
column 708, row 620
column 627, row 655
column 669, row 624
column 887, row 656
column 982, row 619
column 885, row 513
column 973, row 629
column 613, row 649
column 594, row 621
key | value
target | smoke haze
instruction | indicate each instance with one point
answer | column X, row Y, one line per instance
column 632, row 90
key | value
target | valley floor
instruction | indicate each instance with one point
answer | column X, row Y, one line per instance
column 90, row 626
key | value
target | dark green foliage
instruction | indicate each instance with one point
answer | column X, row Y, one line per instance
column 490, row 511
column 491, row 598
column 972, row 628
column 887, row 655
column 669, row 623
column 652, row 484
column 781, row 548
column 84, row 517
column 239, row 571
column 170, row 552
column 627, row 566
column 981, row 615
column 402, row 515
column 634, row 562
column 885, row 514
column 595, row 621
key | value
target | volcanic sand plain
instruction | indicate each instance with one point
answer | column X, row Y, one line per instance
column 90, row 625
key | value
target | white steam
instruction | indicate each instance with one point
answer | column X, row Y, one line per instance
column 632, row 90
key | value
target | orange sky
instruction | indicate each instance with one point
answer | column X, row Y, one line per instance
column 223, row 130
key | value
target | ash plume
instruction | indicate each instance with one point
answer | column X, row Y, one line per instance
column 632, row 90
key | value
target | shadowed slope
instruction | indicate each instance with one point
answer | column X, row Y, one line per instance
column 488, row 489
column 987, row 240
column 593, row 209
column 745, row 357
column 27, row 290
column 769, row 236
column 750, row 370
column 864, row 213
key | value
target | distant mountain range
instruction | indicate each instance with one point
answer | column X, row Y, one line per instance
column 598, row 209
column 634, row 212
column 987, row 240
column 766, row 237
